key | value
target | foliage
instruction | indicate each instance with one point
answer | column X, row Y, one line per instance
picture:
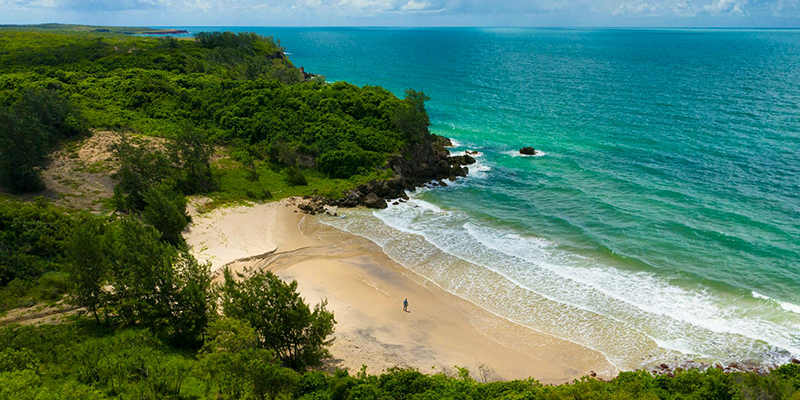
column 76, row 361
column 32, row 127
column 152, row 284
column 232, row 86
column 237, row 368
column 285, row 324
column 140, row 169
column 33, row 239
column 190, row 151
column 88, row 270
column 295, row 177
column 412, row 117
column 165, row 210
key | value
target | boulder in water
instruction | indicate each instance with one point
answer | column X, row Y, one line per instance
column 528, row 151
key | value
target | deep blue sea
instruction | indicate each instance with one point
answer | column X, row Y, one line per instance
column 661, row 218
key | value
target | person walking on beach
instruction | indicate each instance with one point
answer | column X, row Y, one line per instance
column 405, row 305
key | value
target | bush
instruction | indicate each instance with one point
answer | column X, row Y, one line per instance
column 32, row 127
column 295, row 177
column 165, row 210
column 284, row 323
column 346, row 163
column 191, row 153
column 140, row 168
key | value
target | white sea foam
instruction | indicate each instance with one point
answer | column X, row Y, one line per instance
column 784, row 305
column 790, row 307
column 464, row 152
column 629, row 316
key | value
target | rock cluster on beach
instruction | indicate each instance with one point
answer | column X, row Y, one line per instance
column 746, row 366
column 423, row 162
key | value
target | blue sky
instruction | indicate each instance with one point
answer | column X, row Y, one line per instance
column 623, row 13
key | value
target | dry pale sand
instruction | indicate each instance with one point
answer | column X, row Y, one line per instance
column 365, row 290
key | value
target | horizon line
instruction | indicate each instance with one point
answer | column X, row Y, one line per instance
column 420, row 27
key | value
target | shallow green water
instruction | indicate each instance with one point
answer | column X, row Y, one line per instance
column 662, row 218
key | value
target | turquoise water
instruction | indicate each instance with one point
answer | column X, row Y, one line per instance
column 662, row 217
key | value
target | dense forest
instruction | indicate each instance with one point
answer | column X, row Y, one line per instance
column 239, row 90
column 235, row 119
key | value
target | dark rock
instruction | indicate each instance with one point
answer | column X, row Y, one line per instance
column 472, row 152
column 664, row 366
column 442, row 183
column 528, row 151
column 373, row 201
column 442, row 141
column 462, row 160
column 795, row 361
column 592, row 374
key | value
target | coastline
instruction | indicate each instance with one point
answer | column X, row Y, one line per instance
column 365, row 290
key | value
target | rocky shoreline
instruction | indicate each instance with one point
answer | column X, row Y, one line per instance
column 745, row 366
column 423, row 162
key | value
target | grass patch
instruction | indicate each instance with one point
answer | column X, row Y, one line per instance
column 236, row 183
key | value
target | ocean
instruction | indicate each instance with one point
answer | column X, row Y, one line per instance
column 660, row 220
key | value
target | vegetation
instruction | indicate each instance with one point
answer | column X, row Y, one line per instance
column 152, row 325
column 80, row 361
column 284, row 324
column 32, row 127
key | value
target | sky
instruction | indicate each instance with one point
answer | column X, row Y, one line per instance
column 535, row 13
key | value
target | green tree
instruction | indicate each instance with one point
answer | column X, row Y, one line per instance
column 24, row 144
column 142, row 276
column 191, row 151
column 411, row 116
column 31, row 128
column 193, row 303
column 140, row 168
column 165, row 210
column 237, row 368
column 154, row 285
column 284, row 323
column 88, row 269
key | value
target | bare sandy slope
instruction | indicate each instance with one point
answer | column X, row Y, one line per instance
column 365, row 289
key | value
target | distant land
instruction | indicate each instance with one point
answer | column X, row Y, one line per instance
column 124, row 30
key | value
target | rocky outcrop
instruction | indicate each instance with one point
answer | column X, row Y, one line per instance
column 372, row 200
column 421, row 163
column 444, row 141
column 528, row 151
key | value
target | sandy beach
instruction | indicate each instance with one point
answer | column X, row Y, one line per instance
column 365, row 289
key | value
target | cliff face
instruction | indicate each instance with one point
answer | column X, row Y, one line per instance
column 422, row 162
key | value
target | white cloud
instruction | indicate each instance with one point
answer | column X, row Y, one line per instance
column 415, row 6
column 731, row 7
column 786, row 8
column 407, row 12
column 367, row 5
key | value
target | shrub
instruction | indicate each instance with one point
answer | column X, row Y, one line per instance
column 295, row 177
column 285, row 324
column 165, row 210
